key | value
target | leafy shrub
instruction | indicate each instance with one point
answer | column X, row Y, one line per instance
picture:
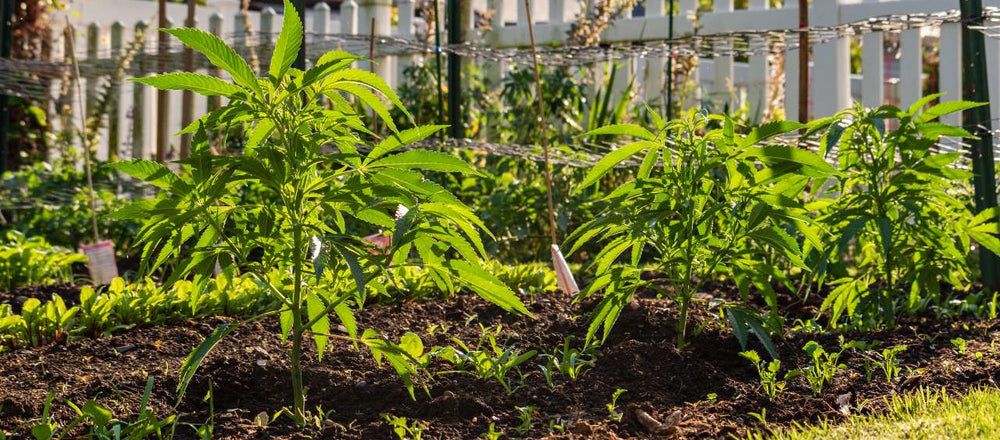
column 33, row 261
column 703, row 203
column 305, row 233
column 898, row 217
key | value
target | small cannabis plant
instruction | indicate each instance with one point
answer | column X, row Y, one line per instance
column 331, row 181
column 703, row 203
column 900, row 214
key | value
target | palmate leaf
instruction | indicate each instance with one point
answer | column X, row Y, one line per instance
column 780, row 153
column 196, row 82
column 425, row 160
column 219, row 54
column 742, row 322
column 403, row 138
column 371, row 80
column 152, row 173
column 612, row 160
column 193, row 361
column 944, row 108
column 487, row 286
column 316, row 307
column 365, row 95
column 286, row 48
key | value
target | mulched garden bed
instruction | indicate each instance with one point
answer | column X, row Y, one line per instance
column 249, row 375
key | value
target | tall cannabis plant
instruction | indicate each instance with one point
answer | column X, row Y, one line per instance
column 328, row 175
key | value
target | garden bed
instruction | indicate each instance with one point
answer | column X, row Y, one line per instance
column 708, row 389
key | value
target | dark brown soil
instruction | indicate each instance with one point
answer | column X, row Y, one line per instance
column 249, row 375
column 70, row 294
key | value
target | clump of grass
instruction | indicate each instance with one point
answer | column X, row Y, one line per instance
column 926, row 414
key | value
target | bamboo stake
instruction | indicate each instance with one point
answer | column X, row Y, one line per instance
column 542, row 125
column 83, row 129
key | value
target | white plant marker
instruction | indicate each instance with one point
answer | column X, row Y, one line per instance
column 564, row 277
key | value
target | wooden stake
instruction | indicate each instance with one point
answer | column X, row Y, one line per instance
column 83, row 129
column 543, row 128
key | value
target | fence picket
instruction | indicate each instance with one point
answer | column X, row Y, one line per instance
column 831, row 63
column 114, row 92
column 911, row 65
column 139, row 91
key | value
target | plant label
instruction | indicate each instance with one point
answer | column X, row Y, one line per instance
column 101, row 261
column 564, row 277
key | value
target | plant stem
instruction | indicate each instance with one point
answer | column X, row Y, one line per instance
column 298, row 396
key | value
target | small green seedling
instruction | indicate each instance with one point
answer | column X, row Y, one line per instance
column 613, row 413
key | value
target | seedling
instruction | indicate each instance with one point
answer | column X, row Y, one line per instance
column 567, row 361
column 405, row 430
column 960, row 344
column 526, row 415
column 822, row 366
column 890, row 363
column 613, row 413
column 767, row 372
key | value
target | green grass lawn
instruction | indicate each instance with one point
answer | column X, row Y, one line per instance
column 919, row 416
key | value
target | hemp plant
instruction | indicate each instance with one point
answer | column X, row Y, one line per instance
column 901, row 214
column 330, row 179
column 703, row 203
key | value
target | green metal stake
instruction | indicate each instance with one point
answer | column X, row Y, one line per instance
column 455, row 129
column 977, row 89
column 6, row 37
column 437, row 57
column 300, row 60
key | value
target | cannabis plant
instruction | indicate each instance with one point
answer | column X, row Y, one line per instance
column 703, row 203
column 900, row 217
column 331, row 181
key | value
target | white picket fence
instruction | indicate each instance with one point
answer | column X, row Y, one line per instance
column 107, row 26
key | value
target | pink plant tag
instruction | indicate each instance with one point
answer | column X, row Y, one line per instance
column 564, row 277
column 101, row 261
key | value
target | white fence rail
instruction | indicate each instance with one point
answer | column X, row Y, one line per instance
column 108, row 25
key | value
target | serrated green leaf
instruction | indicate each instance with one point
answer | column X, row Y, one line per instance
column 196, row 82
column 286, row 48
column 219, row 54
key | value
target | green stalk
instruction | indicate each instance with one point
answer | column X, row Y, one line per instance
column 298, row 396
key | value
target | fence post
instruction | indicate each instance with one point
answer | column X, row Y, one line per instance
column 653, row 82
column 93, row 39
column 974, row 71
column 455, row 128
column 139, row 94
column 792, row 71
column 722, row 88
column 910, row 67
column 950, row 68
column 321, row 20
column 557, row 11
column 349, row 17
column 405, row 29
column 689, row 11
column 759, row 84
column 163, row 96
column 215, row 27
column 267, row 29
column 114, row 93
column 6, row 40
column 832, row 64
column 187, row 97
column 66, row 100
